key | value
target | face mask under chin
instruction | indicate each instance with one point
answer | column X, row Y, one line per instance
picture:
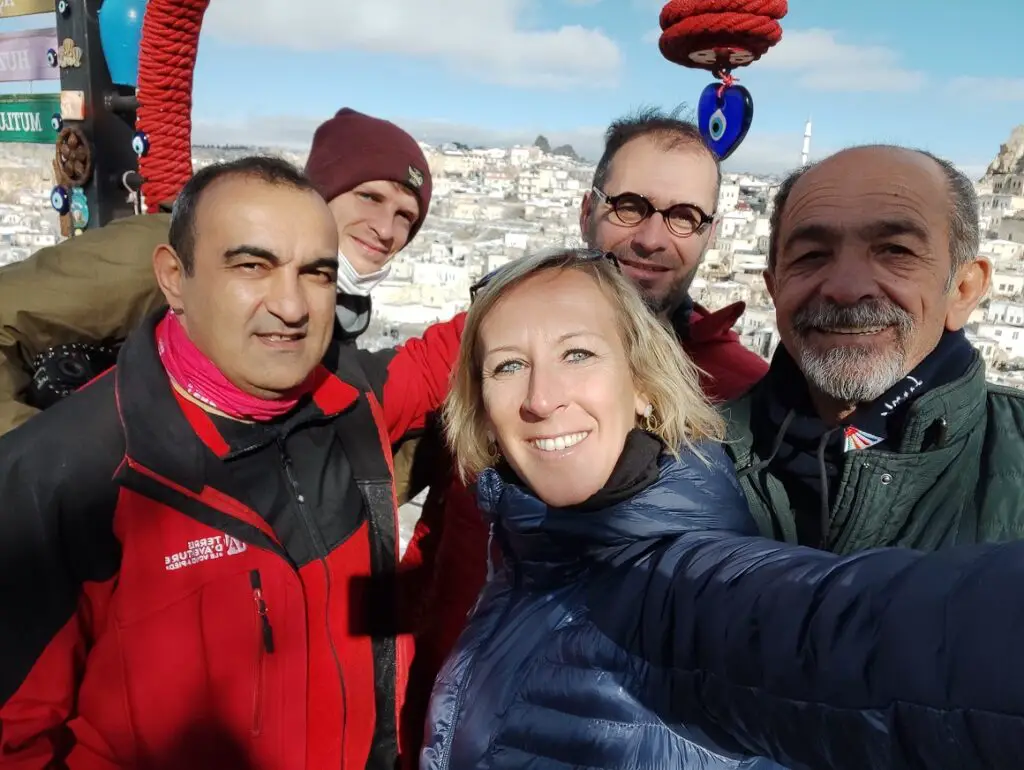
column 356, row 284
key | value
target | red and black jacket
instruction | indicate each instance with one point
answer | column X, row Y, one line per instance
column 170, row 597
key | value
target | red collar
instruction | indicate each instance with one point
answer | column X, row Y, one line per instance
column 706, row 326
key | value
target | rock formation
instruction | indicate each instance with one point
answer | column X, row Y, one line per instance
column 1010, row 159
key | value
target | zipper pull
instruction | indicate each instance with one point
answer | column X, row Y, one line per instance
column 261, row 610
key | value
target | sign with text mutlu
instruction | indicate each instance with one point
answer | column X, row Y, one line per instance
column 23, row 55
column 26, row 7
column 28, row 117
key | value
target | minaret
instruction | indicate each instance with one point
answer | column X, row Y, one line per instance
column 807, row 144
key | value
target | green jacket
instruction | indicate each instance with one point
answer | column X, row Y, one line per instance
column 95, row 287
column 958, row 476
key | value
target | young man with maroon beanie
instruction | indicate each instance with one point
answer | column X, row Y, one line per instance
column 377, row 184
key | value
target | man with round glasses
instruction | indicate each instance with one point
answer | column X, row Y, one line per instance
column 680, row 221
column 652, row 204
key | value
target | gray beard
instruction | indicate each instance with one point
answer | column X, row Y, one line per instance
column 851, row 375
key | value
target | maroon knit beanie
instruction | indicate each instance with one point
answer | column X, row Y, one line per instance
column 352, row 148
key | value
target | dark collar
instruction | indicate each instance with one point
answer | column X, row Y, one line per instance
column 686, row 494
column 946, row 413
column 159, row 436
column 353, row 315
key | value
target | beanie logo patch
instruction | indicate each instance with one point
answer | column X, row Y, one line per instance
column 415, row 177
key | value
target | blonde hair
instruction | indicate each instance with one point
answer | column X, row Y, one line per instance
column 661, row 371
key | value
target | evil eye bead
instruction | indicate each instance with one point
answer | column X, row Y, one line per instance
column 51, row 57
column 56, row 121
column 140, row 143
column 717, row 125
column 60, row 200
column 64, row 8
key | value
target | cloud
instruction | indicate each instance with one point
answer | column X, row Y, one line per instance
column 988, row 89
column 483, row 39
column 822, row 63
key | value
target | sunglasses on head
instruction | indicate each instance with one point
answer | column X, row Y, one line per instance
column 580, row 255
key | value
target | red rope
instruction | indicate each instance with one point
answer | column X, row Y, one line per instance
column 728, row 81
column 167, row 57
column 722, row 26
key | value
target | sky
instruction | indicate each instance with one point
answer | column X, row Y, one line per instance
column 924, row 73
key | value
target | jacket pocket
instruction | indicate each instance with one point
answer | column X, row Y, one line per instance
column 197, row 672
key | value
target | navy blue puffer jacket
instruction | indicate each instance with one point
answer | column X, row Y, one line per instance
column 533, row 682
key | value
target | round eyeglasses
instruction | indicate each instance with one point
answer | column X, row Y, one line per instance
column 630, row 209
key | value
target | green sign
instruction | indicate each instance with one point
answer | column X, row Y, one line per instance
column 28, row 117
column 25, row 7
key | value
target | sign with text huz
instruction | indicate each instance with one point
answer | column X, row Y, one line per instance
column 25, row 7
column 28, row 117
column 23, row 55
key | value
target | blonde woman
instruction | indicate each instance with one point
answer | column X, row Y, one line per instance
column 605, row 449
column 632, row 625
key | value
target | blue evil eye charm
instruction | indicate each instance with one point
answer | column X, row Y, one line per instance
column 140, row 143
column 60, row 200
column 724, row 120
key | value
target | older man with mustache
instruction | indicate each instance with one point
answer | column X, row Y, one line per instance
column 875, row 425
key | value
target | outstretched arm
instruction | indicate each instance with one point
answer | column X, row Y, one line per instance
column 885, row 659
column 414, row 378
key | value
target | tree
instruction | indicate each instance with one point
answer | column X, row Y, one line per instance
column 542, row 143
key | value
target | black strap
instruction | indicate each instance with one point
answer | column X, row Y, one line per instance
column 372, row 475
column 349, row 364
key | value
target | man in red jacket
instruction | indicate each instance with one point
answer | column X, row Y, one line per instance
column 198, row 550
column 652, row 203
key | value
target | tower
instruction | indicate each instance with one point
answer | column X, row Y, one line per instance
column 806, row 150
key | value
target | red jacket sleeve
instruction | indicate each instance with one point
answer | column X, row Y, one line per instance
column 35, row 731
column 416, row 376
